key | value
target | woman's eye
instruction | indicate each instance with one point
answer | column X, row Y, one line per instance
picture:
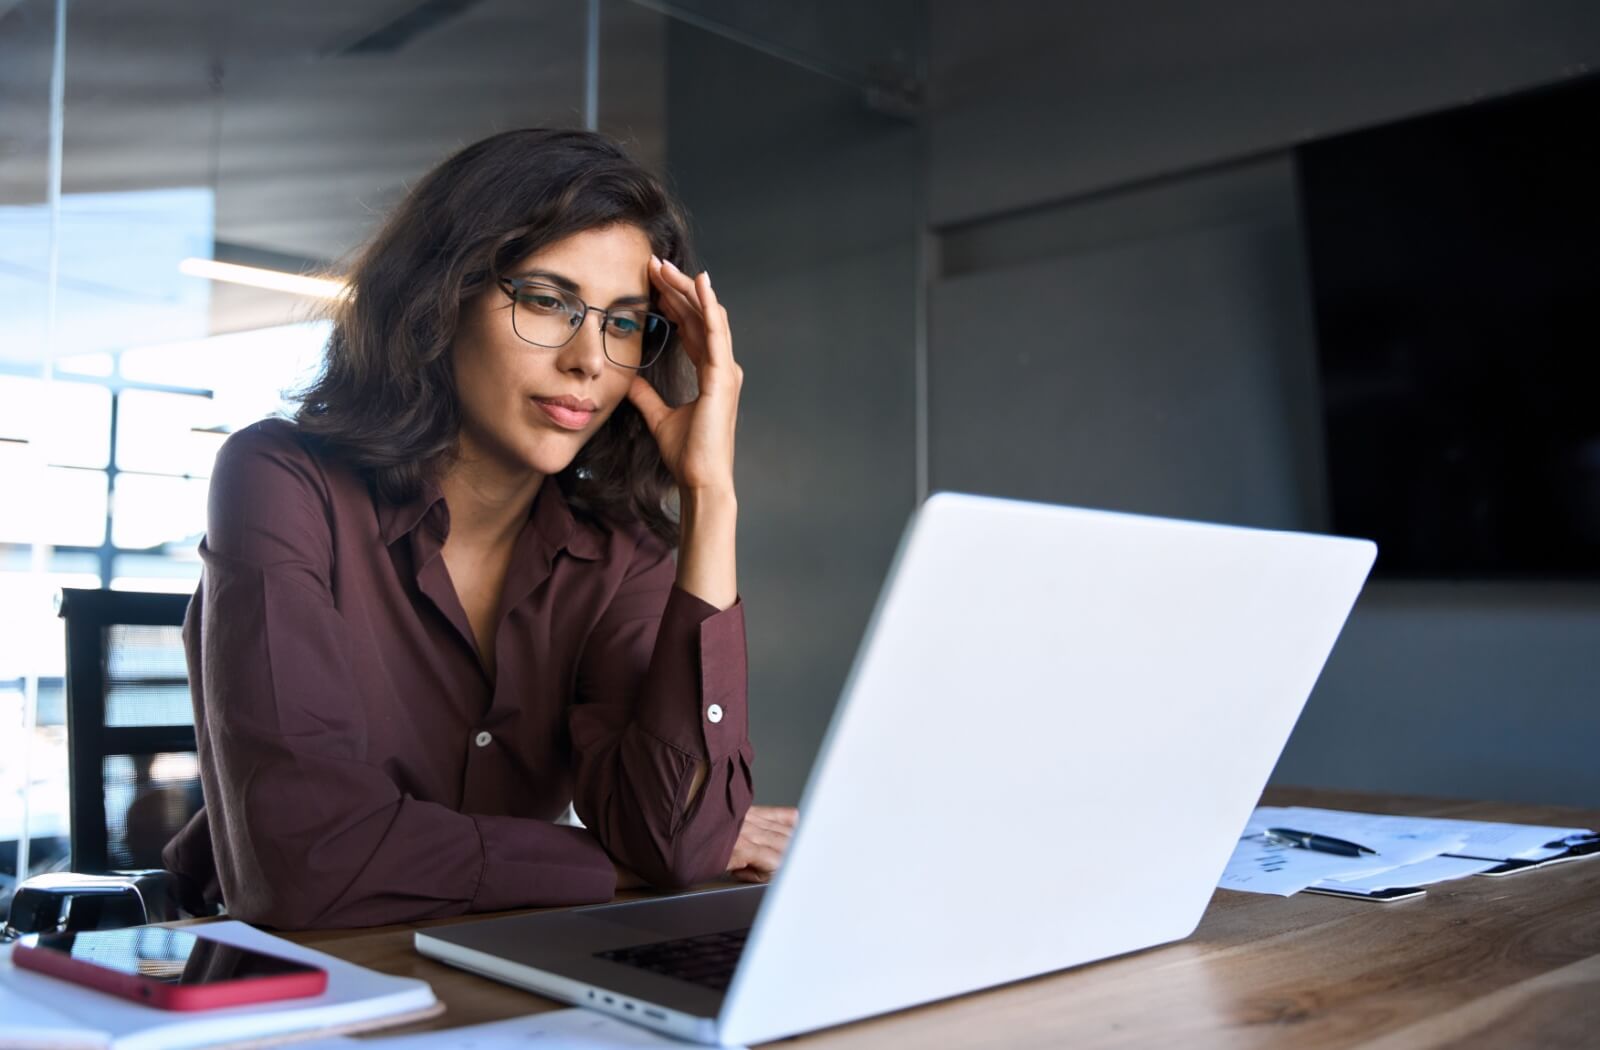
column 625, row 326
column 548, row 303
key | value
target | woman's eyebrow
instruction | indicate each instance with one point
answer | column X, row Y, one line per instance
column 575, row 288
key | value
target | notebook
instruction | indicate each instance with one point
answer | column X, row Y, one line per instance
column 41, row 1011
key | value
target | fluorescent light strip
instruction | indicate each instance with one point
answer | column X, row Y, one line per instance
column 255, row 276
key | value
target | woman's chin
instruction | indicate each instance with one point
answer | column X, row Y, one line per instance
column 546, row 460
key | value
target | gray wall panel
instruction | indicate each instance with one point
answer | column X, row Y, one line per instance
column 1473, row 690
column 1166, row 373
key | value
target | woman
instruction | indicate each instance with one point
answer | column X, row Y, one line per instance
column 442, row 603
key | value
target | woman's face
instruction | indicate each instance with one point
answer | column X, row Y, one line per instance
column 530, row 408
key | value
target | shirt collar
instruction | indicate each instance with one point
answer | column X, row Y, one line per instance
column 551, row 518
column 398, row 519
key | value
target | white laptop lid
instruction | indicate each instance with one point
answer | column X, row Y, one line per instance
column 1050, row 741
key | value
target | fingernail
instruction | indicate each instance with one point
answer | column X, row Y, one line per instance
column 668, row 263
column 708, row 275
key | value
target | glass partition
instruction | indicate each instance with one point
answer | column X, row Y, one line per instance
column 270, row 137
column 43, row 498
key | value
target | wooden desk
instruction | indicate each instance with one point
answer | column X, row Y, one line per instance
column 1510, row 962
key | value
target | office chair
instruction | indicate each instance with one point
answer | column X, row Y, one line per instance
column 132, row 771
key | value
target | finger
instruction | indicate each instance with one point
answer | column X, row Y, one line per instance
column 750, row 875
column 742, row 858
column 679, row 280
column 689, row 322
column 677, row 289
column 783, row 814
column 719, row 340
column 772, row 826
column 648, row 402
column 767, row 860
column 679, row 306
column 758, row 842
column 763, row 838
column 758, row 847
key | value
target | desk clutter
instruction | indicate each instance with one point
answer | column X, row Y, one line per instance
column 37, row 1010
column 1368, row 856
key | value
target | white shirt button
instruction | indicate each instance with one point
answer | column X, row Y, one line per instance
column 714, row 713
column 482, row 739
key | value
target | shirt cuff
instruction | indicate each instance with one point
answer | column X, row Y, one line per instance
column 699, row 652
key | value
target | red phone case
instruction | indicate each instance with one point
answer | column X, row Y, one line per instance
column 162, row 994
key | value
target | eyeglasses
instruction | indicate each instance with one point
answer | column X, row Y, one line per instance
column 545, row 315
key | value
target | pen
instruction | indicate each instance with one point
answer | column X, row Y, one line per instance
column 1320, row 843
column 1582, row 838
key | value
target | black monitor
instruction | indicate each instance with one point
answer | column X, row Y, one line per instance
column 1455, row 269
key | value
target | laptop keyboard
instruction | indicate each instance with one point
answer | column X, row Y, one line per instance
column 707, row 960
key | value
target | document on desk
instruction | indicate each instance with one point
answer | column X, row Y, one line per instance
column 1260, row 865
column 1484, row 839
column 574, row 1029
column 1410, row 850
column 1423, row 873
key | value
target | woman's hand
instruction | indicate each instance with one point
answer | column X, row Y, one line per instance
column 762, row 842
column 696, row 439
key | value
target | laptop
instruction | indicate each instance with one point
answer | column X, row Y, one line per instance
column 1053, row 733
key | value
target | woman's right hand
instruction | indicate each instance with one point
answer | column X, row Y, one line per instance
column 763, row 839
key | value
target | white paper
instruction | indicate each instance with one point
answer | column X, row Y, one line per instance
column 1259, row 865
column 36, row 1008
column 574, row 1029
column 1485, row 839
column 1422, row 873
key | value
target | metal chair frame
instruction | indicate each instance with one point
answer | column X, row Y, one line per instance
column 88, row 615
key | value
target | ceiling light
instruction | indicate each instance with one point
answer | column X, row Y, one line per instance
column 255, row 276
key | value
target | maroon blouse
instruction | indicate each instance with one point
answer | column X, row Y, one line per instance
column 360, row 767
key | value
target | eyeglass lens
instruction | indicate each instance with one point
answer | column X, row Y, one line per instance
column 548, row 316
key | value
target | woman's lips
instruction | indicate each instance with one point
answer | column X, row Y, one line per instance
column 567, row 412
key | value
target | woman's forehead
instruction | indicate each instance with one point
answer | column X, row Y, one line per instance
column 609, row 261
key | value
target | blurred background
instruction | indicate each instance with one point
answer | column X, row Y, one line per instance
column 1142, row 255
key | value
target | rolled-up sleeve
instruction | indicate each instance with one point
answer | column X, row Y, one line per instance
column 662, row 687
column 306, row 829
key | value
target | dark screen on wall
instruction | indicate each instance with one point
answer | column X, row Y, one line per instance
column 1455, row 265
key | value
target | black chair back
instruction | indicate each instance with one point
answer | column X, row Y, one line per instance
column 133, row 773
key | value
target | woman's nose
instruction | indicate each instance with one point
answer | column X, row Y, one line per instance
column 585, row 351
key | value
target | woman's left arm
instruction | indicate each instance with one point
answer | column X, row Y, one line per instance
column 701, row 636
column 659, row 734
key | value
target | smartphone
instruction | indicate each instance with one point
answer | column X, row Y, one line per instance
column 167, row 968
column 1393, row 893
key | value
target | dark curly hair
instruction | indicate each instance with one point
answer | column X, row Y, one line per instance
column 386, row 398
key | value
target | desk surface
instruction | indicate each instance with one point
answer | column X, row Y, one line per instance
column 1477, row 962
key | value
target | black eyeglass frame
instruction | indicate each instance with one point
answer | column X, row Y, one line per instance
column 513, row 285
